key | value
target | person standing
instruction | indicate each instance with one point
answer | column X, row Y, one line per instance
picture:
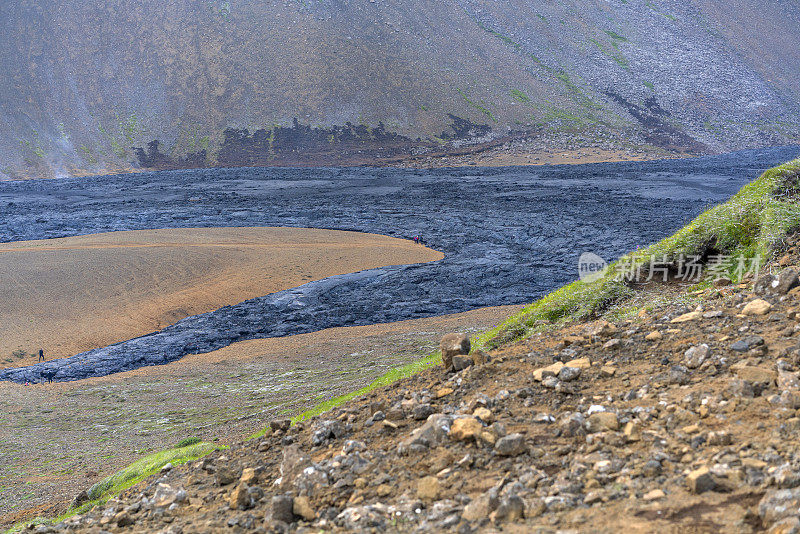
column 41, row 355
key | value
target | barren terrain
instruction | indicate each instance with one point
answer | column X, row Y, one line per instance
column 74, row 294
column 60, row 438
column 680, row 416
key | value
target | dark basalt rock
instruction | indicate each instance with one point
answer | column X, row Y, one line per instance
column 509, row 235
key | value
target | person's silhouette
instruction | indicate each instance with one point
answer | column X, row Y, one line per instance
column 41, row 355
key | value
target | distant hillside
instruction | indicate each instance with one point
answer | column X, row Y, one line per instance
column 196, row 83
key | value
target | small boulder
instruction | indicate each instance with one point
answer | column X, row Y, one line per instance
column 741, row 388
column 678, row 374
column 700, row 480
column 123, row 519
column 430, row 434
column 249, row 476
column 580, row 363
column 632, row 431
column 422, row 411
column 479, row 357
column 465, row 429
column 484, row 414
column 240, row 499
column 655, row 335
column 787, row 280
column 510, row 509
column 165, row 495
column 453, row 345
column 301, row 507
column 461, row 362
column 654, row 495
column 281, row 425
column 327, row 429
column 747, row 343
column 282, row 508
column 686, row 317
column 481, row 507
column 550, row 370
column 779, row 504
column 608, row 371
column 511, row 445
column 719, row 438
column 602, row 421
column 550, row 382
column 787, row 380
column 428, row 488
column 695, row 356
column 225, row 476
column 769, row 284
column 603, row 329
column 572, row 424
column 754, row 374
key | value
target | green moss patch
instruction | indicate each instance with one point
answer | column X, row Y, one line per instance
column 127, row 477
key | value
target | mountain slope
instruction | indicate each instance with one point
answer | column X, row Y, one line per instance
column 86, row 82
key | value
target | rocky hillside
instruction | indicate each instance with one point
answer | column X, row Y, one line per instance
column 96, row 86
column 682, row 419
column 677, row 411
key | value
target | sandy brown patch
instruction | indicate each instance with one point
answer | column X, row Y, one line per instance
column 73, row 294
column 526, row 157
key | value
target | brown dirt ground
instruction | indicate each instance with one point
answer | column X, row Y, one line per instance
column 758, row 427
column 61, row 438
column 526, row 156
column 74, row 294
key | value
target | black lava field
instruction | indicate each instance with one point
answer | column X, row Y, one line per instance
column 509, row 235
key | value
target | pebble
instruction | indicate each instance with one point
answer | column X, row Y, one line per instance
column 696, row 356
column 757, row 307
column 568, row 374
column 511, row 445
column 654, row 495
column 700, row 480
column 686, row 317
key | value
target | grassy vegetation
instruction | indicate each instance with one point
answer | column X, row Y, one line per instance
column 390, row 377
column 127, row 477
column 86, row 154
column 746, row 227
column 479, row 106
column 17, row 354
column 520, row 96
column 32, row 151
column 615, row 36
column 187, row 442
column 616, row 56
column 144, row 467
column 652, row 6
